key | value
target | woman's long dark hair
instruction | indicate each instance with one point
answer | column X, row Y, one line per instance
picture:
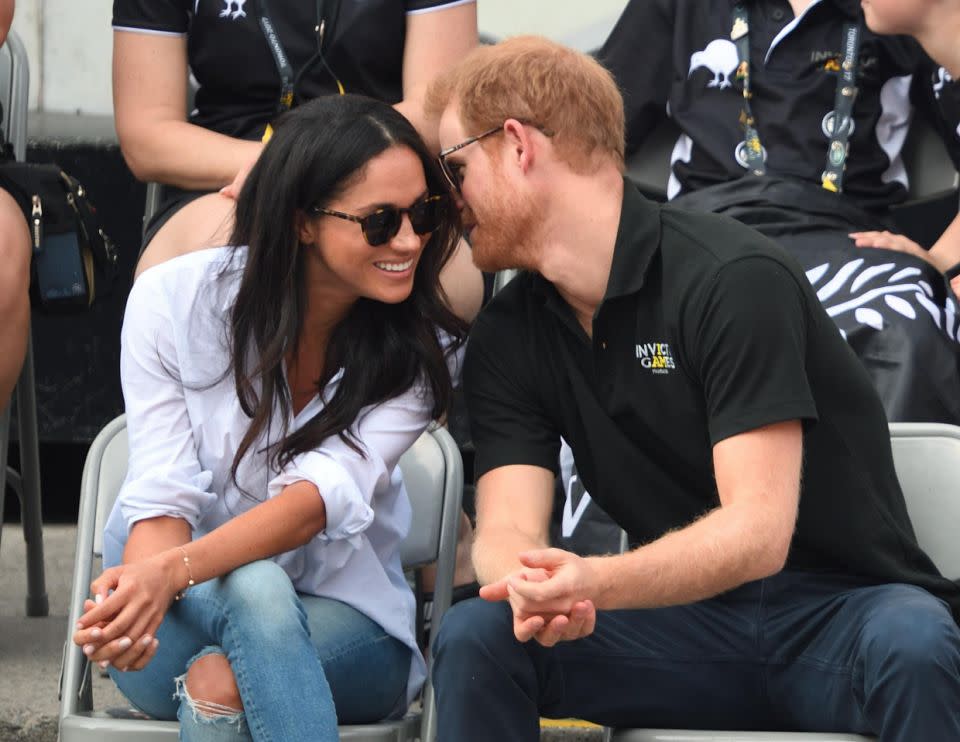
column 318, row 150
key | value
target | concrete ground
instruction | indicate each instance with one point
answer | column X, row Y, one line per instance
column 30, row 648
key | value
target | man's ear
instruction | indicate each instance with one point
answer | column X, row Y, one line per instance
column 522, row 146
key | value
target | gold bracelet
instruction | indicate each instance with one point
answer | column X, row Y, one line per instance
column 190, row 583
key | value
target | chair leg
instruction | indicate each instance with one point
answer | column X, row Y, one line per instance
column 4, row 445
column 37, row 602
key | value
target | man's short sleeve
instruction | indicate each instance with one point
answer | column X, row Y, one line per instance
column 508, row 422
column 151, row 16
column 749, row 342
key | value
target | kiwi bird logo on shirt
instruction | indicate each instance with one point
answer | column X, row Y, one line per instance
column 720, row 57
column 943, row 79
column 655, row 357
column 233, row 9
column 868, row 293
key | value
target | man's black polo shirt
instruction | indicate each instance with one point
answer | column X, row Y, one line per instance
column 707, row 330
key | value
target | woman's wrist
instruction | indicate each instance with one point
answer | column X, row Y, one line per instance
column 178, row 577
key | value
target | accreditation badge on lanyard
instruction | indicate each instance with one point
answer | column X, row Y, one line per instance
column 839, row 146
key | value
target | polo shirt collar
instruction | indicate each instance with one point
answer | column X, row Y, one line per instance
column 638, row 239
column 850, row 8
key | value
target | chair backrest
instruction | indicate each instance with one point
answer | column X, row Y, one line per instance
column 927, row 459
column 928, row 166
column 14, row 90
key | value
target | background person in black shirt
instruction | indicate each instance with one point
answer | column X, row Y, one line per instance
column 679, row 58
column 385, row 49
column 692, row 370
column 937, row 27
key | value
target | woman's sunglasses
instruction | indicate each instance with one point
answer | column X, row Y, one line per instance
column 383, row 224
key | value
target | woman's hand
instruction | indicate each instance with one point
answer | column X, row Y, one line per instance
column 890, row 241
column 119, row 626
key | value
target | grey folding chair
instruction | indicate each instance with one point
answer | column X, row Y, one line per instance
column 14, row 87
column 927, row 460
column 433, row 473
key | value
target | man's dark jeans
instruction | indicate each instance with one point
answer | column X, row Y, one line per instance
column 794, row 652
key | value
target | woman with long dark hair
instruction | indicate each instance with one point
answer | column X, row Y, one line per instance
column 253, row 574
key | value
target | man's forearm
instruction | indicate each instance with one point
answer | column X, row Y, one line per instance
column 722, row 550
column 495, row 552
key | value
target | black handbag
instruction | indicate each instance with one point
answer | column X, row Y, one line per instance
column 74, row 260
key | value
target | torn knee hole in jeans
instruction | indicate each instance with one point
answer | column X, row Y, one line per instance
column 207, row 711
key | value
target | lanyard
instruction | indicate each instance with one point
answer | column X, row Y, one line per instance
column 832, row 177
column 279, row 57
column 288, row 80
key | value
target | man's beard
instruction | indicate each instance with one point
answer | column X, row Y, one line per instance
column 505, row 227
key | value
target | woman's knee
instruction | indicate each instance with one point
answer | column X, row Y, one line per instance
column 202, row 223
column 463, row 283
column 262, row 592
column 210, row 687
column 14, row 250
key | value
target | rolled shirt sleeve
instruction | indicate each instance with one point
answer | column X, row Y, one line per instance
column 348, row 479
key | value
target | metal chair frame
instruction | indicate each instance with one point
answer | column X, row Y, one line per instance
column 102, row 477
column 14, row 88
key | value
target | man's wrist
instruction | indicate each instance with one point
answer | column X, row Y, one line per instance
column 605, row 571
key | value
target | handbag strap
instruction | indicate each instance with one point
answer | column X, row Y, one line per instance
column 102, row 248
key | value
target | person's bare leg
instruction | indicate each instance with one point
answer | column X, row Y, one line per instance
column 202, row 223
column 212, row 687
column 14, row 294
column 463, row 282
column 463, row 574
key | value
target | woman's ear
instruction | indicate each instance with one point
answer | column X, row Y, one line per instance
column 307, row 229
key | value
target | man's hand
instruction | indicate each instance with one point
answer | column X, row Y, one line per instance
column 525, row 625
column 552, row 597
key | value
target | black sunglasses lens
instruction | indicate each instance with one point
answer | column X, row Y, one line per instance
column 425, row 216
column 381, row 226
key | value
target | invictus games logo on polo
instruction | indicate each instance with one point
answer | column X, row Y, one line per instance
column 657, row 357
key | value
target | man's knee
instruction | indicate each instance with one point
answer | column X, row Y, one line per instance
column 474, row 627
column 913, row 639
column 211, row 687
